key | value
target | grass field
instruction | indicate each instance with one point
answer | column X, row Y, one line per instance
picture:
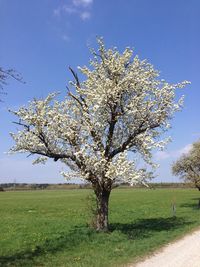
column 49, row 228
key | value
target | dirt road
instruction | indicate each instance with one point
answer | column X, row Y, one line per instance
column 182, row 253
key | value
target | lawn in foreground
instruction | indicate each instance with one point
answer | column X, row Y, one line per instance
column 49, row 228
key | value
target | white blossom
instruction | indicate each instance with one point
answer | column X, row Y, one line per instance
column 121, row 106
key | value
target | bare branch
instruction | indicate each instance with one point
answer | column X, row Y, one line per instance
column 75, row 77
column 9, row 73
column 22, row 124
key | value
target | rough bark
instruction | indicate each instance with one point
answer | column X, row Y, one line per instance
column 102, row 198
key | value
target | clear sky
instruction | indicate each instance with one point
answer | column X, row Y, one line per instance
column 41, row 38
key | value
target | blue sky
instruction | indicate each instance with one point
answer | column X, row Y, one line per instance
column 41, row 38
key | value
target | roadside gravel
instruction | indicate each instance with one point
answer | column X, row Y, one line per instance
column 182, row 253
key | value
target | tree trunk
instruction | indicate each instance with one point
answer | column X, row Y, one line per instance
column 102, row 197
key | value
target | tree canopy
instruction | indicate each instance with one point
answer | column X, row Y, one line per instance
column 121, row 107
column 188, row 166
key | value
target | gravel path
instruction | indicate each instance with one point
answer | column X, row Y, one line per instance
column 182, row 253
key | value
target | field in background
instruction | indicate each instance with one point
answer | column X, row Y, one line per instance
column 24, row 186
column 49, row 228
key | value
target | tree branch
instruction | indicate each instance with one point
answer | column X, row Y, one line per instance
column 5, row 74
column 129, row 141
column 110, row 132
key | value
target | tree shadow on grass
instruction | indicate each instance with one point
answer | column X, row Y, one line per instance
column 70, row 240
column 143, row 228
column 194, row 206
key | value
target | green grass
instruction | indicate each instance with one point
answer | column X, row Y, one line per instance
column 49, row 228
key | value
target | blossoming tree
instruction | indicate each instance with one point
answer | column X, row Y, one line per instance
column 188, row 166
column 122, row 106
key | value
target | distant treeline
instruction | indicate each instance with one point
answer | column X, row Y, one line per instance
column 26, row 186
